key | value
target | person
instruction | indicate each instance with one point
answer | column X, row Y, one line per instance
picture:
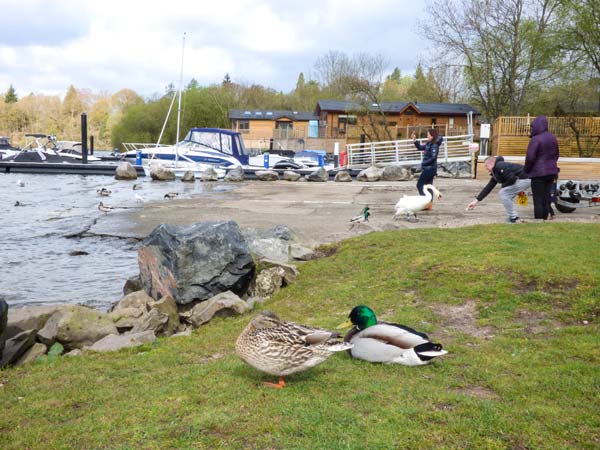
column 429, row 162
column 513, row 179
column 541, row 165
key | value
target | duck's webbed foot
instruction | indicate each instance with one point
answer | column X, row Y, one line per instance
column 279, row 385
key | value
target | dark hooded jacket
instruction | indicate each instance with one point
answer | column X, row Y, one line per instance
column 430, row 152
column 542, row 151
column 504, row 173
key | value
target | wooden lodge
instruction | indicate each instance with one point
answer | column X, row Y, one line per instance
column 347, row 122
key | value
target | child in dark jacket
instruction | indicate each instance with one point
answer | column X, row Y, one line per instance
column 429, row 162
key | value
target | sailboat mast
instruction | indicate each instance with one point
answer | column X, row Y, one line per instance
column 179, row 105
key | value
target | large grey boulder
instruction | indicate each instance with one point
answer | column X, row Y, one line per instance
column 132, row 284
column 28, row 318
column 456, row 169
column 138, row 299
column 318, row 175
column 125, row 171
column 370, row 174
column 159, row 172
column 235, row 175
column 301, row 253
column 290, row 175
column 195, row 262
column 114, row 342
column 3, row 323
column 209, row 174
column 223, row 305
column 76, row 326
column 290, row 271
column 267, row 175
column 270, row 244
column 343, row 176
column 16, row 346
column 396, row 172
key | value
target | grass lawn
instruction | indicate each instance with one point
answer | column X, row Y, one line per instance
column 516, row 306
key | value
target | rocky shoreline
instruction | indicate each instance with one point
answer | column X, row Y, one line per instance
column 188, row 275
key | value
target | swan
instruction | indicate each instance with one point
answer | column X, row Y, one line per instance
column 410, row 204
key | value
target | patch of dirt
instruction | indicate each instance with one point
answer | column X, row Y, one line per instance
column 536, row 322
column 462, row 318
column 325, row 250
column 478, row 391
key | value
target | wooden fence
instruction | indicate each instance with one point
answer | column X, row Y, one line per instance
column 577, row 136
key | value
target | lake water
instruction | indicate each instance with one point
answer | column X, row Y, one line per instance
column 35, row 248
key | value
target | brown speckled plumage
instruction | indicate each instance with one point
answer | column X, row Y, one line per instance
column 282, row 348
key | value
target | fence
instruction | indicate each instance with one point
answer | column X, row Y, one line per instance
column 454, row 148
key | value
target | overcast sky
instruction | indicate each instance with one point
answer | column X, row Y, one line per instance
column 107, row 45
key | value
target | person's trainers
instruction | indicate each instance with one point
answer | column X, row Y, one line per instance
column 513, row 220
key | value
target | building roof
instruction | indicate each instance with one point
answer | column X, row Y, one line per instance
column 395, row 107
column 270, row 114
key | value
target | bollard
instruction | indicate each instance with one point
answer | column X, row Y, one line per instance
column 266, row 160
column 84, row 148
column 116, row 151
column 138, row 158
column 91, row 145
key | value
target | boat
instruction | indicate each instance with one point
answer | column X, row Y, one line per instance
column 6, row 149
column 72, row 149
column 38, row 148
column 210, row 146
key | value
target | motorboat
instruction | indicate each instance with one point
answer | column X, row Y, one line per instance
column 6, row 149
column 39, row 148
column 214, row 146
column 72, row 149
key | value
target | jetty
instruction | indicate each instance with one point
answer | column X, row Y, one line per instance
column 63, row 168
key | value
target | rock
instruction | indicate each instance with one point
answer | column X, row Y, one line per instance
column 290, row 175
column 126, row 318
column 290, row 271
column 168, row 307
column 343, row 176
column 236, row 174
column 223, row 305
column 125, row 171
column 195, row 262
column 396, row 172
column 457, row 169
column 318, row 175
column 114, row 342
column 34, row 352
column 161, row 173
column 270, row 244
column 370, row 174
column 76, row 326
column 75, row 352
column 267, row 175
column 138, row 299
column 300, row 252
column 268, row 282
column 28, row 318
column 188, row 177
column 132, row 284
column 155, row 321
column 16, row 346
column 3, row 323
column 186, row 332
column 209, row 174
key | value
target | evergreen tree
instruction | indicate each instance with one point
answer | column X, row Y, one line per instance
column 227, row 80
column 300, row 83
column 395, row 75
column 11, row 95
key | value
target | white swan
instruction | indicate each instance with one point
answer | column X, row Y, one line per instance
column 411, row 204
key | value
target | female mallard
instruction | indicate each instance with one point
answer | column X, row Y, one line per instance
column 384, row 342
column 282, row 348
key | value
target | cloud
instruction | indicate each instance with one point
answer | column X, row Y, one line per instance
column 110, row 45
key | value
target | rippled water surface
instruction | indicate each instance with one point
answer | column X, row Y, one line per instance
column 36, row 253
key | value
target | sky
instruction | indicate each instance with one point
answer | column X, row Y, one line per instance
column 107, row 45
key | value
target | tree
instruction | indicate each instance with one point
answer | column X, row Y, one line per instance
column 11, row 95
column 300, row 82
column 504, row 46
column 395, row 75
column 226, row 80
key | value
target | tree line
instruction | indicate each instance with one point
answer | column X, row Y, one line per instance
column 505, row 57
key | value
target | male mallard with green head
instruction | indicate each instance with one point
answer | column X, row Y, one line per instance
column 384, row 342
column 283, row 348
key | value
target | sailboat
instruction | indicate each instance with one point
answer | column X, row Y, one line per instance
column 201, row 149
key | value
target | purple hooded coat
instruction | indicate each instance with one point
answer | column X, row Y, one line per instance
column 542, row 151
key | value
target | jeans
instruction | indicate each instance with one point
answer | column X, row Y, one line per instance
column 542, row 189
column 426, row 177
column 508, row 193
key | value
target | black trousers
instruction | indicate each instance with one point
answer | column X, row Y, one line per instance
column 426, row 177
column 541, row 187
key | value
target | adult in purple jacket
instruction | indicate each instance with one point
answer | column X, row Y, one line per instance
column 541, row 165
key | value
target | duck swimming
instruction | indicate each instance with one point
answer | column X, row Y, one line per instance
column 384, row 342
column 411, row 204
column 283, row 348
column 170, row 195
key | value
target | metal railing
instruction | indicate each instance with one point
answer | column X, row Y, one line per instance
column 453, row 148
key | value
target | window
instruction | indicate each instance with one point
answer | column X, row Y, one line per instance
column 349, row 120
column 243, row 126
column 451, row 122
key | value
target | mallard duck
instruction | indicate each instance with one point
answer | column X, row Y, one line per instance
column 103, row 192
column 104, row 208
column 411, row 204
column 384, row 342
column 283, row 348
column 170, row 195
column 362, row 217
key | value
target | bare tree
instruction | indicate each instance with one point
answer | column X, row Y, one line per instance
column 504, row 47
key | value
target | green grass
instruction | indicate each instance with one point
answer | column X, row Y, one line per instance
column 531, row 382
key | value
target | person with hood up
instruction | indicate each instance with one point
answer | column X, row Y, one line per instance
column 513, row 180
column 541, row 165
column 429, row 162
